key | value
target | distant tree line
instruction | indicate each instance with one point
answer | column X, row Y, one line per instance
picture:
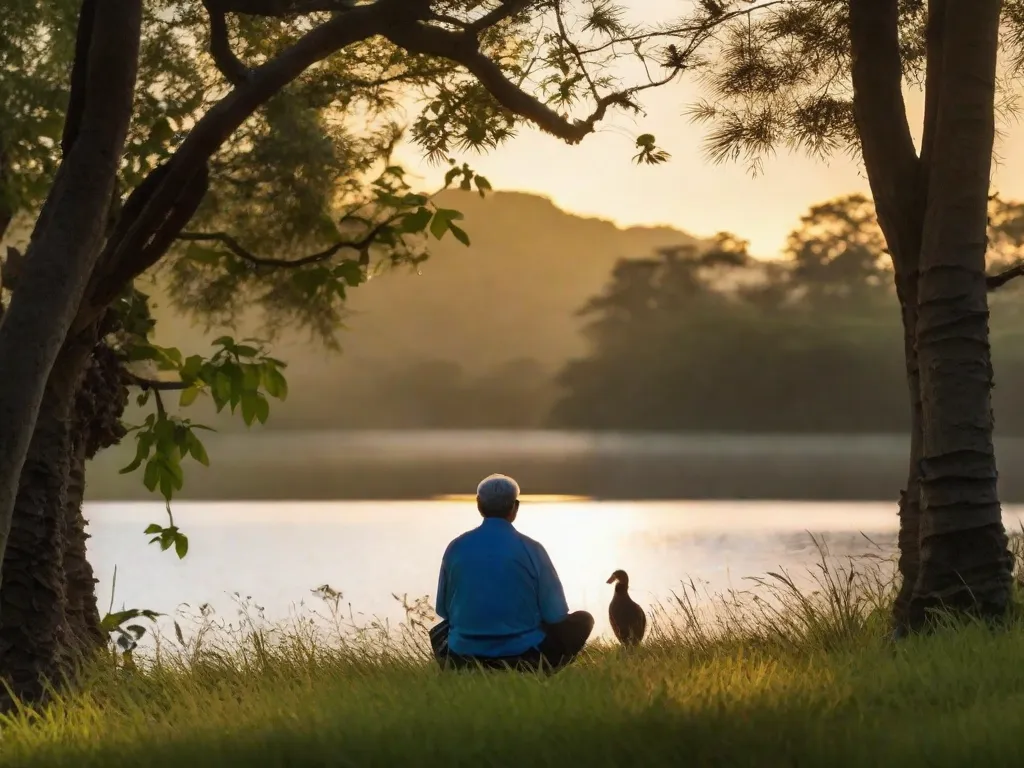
column 715, row 340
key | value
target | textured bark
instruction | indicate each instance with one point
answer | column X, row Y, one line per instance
column 82, row 613
column 66, row 242
column 909, row 541
column 34, row 634
column 99, row 405
column 965, row 563
column 897, row 178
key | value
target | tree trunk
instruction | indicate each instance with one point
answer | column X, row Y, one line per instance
column 897, row 178
column 85, row 636
column 34, row 633
column 964, row 560
column 66, row 241
column 99, row 405
column 910, row 498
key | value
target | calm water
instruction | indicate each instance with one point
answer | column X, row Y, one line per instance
column 277, row 552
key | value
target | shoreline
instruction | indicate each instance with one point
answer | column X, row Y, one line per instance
column 403, row 466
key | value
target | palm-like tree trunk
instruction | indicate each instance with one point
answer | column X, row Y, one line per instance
column 933, row 210
column 964, row 560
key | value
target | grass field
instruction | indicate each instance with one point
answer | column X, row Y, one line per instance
column 773, row 678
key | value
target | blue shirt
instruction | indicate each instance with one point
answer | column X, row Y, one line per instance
column 496, row 587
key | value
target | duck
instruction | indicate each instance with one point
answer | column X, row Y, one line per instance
column 628, row 620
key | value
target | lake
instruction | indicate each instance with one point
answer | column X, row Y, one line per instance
column 277, row 552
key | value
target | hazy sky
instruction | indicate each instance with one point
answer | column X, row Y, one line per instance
column 598, row 177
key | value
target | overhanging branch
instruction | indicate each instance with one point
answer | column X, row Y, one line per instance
column 463, row 48
column 361, row 246
column 127, row 252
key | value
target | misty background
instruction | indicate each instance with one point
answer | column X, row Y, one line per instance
column 590, row 359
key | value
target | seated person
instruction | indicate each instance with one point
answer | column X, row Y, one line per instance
column 500, row 599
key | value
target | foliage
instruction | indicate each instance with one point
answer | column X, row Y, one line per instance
column 309, row 167
column 779, row 78
column 712, row 339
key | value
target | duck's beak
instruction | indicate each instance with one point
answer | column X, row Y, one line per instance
column 611, row 579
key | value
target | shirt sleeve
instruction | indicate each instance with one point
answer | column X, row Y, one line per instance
column 553, row 607
column 441, row 606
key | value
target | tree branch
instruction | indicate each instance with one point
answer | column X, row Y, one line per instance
column 126, row 255
column 998, row 280
column 79, row 75
column 156, row 385
column 280, row 8
column 361, row 245
column 890, row 158
column 506, row 10
column 109, row 284
column 463, row 48
column 230, row 65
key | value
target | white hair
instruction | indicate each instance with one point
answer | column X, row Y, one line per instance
column 497, row 493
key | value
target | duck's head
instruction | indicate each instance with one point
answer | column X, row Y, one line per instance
column 620, row 579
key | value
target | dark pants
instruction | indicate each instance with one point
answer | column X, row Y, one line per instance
column 562, row 643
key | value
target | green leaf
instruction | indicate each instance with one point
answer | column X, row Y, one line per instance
column 262, row 409
column 221, row 388
column 275, row 383
column 191, row 369
column 252, row 375
column 172, row 469
column 143, row 443
column 416, row 222
column 153, row 528
column 166, row 486
column 188, row 396
column 482, row 184
column 442, row 221
column 244, row 350
column 459, row 233
column 198, row 450
column 248, row 402
column 224, row 341
column 181, row 545
column 452, row 174
column 351, row 272
column 151, row 478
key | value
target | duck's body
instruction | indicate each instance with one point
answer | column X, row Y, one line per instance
column 628, row 620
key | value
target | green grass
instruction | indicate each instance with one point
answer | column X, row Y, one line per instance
column 777, row 677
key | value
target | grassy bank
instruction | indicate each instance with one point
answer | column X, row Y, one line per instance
column 776, row 677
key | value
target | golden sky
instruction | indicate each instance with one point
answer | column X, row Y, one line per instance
column 598, row 177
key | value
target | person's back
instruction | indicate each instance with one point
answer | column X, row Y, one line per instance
column 496, row 593
column 499, row 594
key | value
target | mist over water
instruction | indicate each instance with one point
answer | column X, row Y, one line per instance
column 277, row 552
